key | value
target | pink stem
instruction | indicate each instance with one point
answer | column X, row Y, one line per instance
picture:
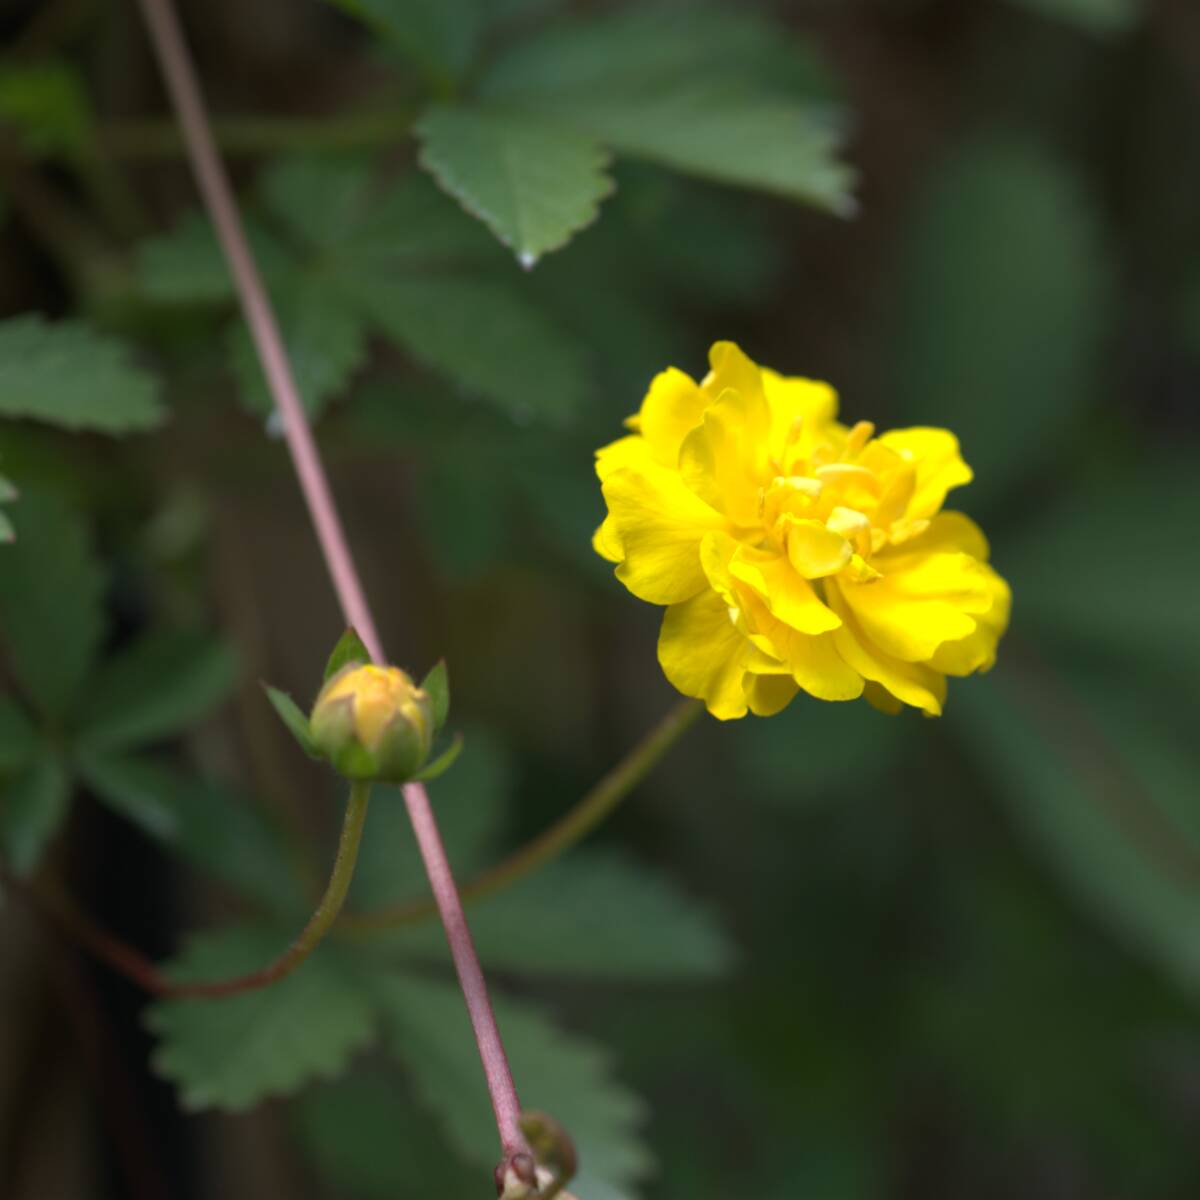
column 218, row 196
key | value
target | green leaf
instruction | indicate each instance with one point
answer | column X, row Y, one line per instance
column 485, row 335
column 469, row 804
column 1004, row 298
column 46, row 104
column 234, row 1052
column 156, row 688
column 8, row 490
column 1101, row 17
column 326, row 341
column 369, row 1138
column 185, row 265
column 566, row 1076
column 18, row 738
column 217, row 829
column 437, row 684
column 295, row 720
column 440, row 36
column 534, row 183
column 68, row 375
column 349, row 650
column 595, row 914
column 7, row 532
column 33, row 807
column 1100, row 790
column 463, row 515
column 444, row 761
column 50, row 604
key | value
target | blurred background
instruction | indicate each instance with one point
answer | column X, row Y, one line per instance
column 832, row 955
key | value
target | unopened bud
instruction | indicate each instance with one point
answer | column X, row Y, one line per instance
column 373, row 723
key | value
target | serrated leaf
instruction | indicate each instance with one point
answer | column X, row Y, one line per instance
column 439, row 35
column 234, row 1052
column 369, row 1138
column 348, row 650
column 1004, row 297
column 595, row 914
column 444, row 761
column 18, row 738
column 51, row 617
column 469, row 805
column 156, row 688
column 68, row 375
column 1102, row 17
column 292, row 716
column 1101, row 791
column 437, row 684
column 185, row 265
column 428, row 1031
column 216, row 828
column 33, row 807
column 485, row 335
column 326, row 340
column 320, row 201
column 533, row 182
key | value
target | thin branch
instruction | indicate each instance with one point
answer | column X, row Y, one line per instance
column 566, row 832
column 218, row 196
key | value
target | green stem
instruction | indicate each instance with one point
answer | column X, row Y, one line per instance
column 155, row 139
column 595, row 806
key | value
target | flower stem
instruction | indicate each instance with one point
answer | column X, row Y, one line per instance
column 218, row 196
column 566, row 832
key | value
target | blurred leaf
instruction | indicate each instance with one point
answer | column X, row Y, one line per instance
column 68, row 375
column 1099, row 789
column 234, row 1052
column 46, row 104
column 156, row 688
column 348, row 649
column 18, row 738
column 428, row 1031
column 695, row 87
column 469, row 804
column 185, row 265
column 50, row 604
column 1092, row 16
column 1065, row 582
column 1003, row 302
column 370, row 1139
column 219, row 830
column 532, row 182
column 7, row 532
column 463, row 516
column 438, row 35
column 33, row 807
column 326, row 341
column 484, row 334
column 594, row 913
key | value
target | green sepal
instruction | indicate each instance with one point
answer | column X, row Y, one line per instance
column 437, row 684
column 443, row 762
column 296, row 722
column 349, row 649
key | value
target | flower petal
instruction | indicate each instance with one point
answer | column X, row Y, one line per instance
column 935, row 455
column 814, row 549
column 724, row 460
column 658, row 523
column 673, row 407
column 768, row 694
column 977, row 652
column 703, row 654
column 606, row 541
column 786, row 594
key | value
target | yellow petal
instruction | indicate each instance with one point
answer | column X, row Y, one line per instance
column 606, row 541
column 724, row 459
column 629, row 451
column 935, row 457
column 732, row 368
column 786, row 593
column 814, row 549
column 703, row 654
column 951, row 532
column 768, row 694
column 977, row 652
column 673, row 407
column 803, row 413
column 879, row 697
column 658, row 524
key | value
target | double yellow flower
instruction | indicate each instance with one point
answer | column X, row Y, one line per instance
column 792, row 552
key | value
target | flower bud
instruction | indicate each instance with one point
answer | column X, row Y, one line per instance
column 373, row 723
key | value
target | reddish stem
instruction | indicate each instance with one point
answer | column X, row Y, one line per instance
column 182, row 84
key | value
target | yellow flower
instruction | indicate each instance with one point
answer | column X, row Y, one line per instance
column 793, row 552
column 373, row 723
